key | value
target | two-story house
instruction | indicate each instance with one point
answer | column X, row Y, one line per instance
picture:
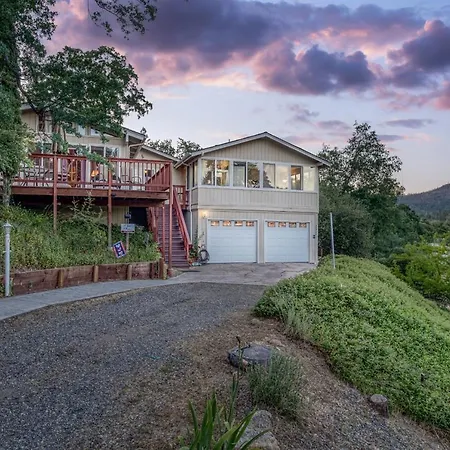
column 255, row 199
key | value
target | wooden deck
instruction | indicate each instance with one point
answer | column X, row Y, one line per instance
column 76, row 176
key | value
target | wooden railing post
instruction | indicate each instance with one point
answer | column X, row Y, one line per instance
column 170, row 215
column 55, row 193
column 109, row 207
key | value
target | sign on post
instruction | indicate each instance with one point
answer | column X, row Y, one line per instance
column 119, row 249
column 127, row 227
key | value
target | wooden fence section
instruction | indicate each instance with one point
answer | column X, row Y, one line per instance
column 45, row 280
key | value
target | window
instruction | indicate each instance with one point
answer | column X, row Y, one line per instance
column 282, row 177
column 282, row 224
column 303, row 225
column 309, row 178
column 81, row 130
column 226, row 223
column 292, row 224
column 296, row 178
column 238, row 223
column 194, row 173
column 214, row 223
column 208, row 169
column 222, row 173
column 269, row 175
column 99, row 150
column 252, row 175
column 250, row 223
column 239, row 170
column 94, row 132
column 271, row 224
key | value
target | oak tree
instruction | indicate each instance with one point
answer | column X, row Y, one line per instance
column 95, row 88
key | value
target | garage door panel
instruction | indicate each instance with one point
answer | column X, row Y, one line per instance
column 286, row 244
column 232, row 243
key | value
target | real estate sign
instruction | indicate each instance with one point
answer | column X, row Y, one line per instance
column 119, row 249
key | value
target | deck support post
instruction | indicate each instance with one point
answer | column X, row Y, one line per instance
column 170, row 214
column 109, row 208
column 163, row 210
column 55, row 194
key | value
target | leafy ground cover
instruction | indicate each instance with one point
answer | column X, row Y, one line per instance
column 379, row 334
column 81, row 239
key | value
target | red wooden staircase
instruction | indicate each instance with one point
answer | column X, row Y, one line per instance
column 158, row 219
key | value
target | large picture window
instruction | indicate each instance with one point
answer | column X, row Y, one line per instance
column 222, row 172
column 255, row 175
column 252, row 175
column 208, row 170
column 282, row 177
column 296, row 178
column 239, row 172
column 269, row 176
column 309, row 179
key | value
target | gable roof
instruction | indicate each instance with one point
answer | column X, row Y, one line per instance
column 265, row 135
column 127, row 132
column 158, row 152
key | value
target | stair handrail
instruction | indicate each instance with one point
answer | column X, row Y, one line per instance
column 183, row 228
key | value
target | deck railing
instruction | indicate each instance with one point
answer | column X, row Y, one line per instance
column 182, row 224
column 78, row 172
column 181, row 192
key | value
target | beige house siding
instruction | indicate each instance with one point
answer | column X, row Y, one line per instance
column 264, row 199
column 30, row 119
column 261, row 150
column 202, row 216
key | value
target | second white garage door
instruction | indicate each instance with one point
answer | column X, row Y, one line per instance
column 286, row 241
column 232, row 241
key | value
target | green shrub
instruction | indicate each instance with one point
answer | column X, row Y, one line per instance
column 380, row 335
column 219, row 429
column 426, row 267
column 278, row 385
column 81, row 239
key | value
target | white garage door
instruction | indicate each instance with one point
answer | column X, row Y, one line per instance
column 232, row 240
column 286, row 241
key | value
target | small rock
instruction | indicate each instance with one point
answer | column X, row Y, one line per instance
column 380, row 403
column 255, row 321
column 262, row 420
column 252, row 354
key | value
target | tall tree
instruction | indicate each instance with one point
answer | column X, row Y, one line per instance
column 183, row 148
column 27, row 74
column 366, row 170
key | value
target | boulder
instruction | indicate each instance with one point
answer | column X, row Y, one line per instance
column 251, row 354
column 261, row 421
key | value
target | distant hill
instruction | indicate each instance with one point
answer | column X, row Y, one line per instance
column 434, row 203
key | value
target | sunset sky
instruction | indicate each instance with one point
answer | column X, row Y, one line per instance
column 221, row 69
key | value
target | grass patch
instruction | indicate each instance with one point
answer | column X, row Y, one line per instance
column 82, row 239
column 380, row 335
column 278, row 385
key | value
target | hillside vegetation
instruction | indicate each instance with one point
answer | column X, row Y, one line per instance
column 435, row 203
column 81, row 239
column 379, row 334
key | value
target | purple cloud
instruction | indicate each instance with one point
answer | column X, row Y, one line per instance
column 336, row 125
column 313, row 72
column 409, row 123
column 418, row 58
column 390, row 137
column 301, row 114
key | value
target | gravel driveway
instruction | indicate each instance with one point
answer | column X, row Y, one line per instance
column 63, row 367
